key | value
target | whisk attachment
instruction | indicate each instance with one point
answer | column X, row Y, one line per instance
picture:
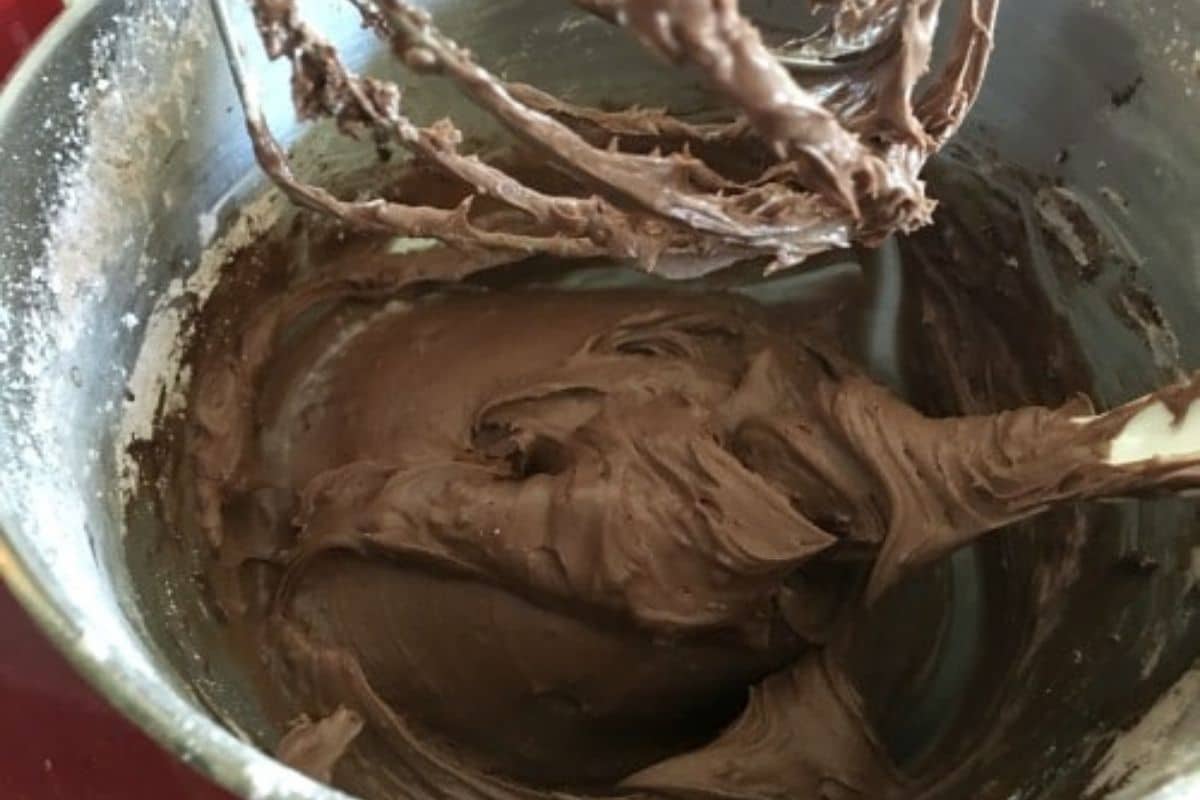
column 840, row 152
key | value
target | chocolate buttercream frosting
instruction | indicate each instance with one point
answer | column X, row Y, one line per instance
column 508, row 540
column 536, row 539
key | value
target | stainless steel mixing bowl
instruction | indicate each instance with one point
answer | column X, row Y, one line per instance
column 125, row 178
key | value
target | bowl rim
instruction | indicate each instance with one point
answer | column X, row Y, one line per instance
column 203, row 744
